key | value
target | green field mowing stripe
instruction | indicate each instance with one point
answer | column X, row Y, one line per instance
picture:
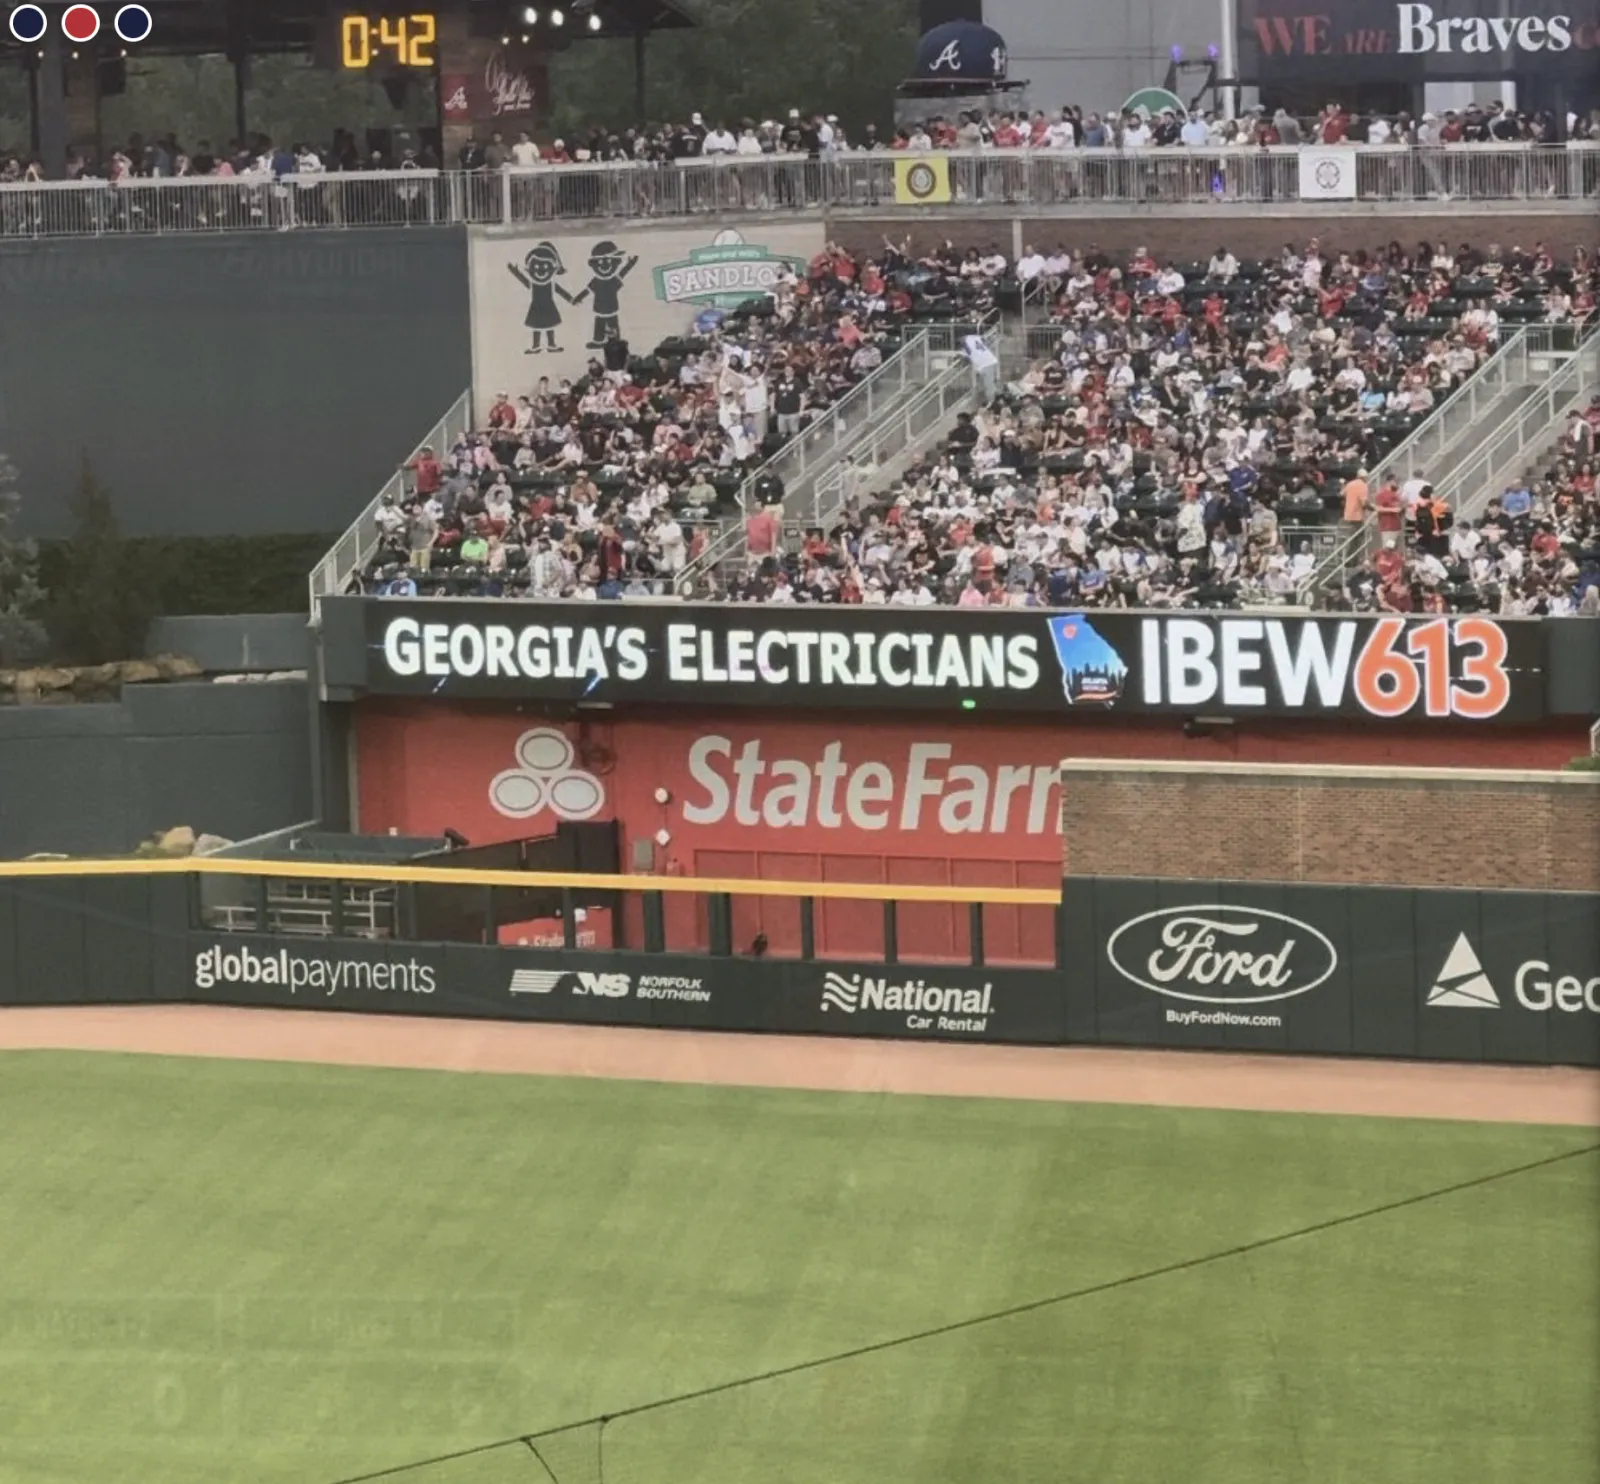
column 252, row 1271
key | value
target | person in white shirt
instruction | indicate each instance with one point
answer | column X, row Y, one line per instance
column 719, row 142
column 1223, row 266
column 1169, row 281
column 1030, row 265
column 1062, row 134
column 669, row 535
column 753, row 403
column 1378, row 131
column 1464, row 542
column 1137, row 135
column 524, row 152
column 1194, row 133
column 748, row 143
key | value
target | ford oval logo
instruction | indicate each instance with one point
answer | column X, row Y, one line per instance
column 1221, row 955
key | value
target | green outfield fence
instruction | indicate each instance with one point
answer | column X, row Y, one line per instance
column 1456, row 975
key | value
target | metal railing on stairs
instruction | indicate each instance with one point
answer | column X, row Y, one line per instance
column 1536, row 425
column 827, row 462
column 876, row 462
column 1450, row 437
column 351, row 552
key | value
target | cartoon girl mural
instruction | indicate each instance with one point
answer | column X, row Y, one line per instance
column 538, row 275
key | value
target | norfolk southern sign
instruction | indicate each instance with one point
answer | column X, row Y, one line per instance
column 1458, row 669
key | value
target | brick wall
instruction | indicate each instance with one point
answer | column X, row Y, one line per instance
column 1193, row 235
column 1342, row 825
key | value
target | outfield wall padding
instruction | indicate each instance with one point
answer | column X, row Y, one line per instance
column 1468, row 976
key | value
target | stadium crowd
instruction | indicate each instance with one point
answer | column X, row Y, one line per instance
column 1194, row 432
column 820, row 135
column 609, row 484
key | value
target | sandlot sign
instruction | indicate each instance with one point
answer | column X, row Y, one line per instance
column 1462, row 669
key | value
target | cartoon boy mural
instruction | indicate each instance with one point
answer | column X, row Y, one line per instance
column 607, row 265
column 538, row 275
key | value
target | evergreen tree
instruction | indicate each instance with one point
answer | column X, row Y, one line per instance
column 22, row 635
column 100, row 605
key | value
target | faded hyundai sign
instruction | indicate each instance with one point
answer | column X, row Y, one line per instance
column 1218, row 954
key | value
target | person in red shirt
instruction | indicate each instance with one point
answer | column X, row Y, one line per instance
column 502, row 414
column 1335, row 124
column 983, row 567
column 426, row 469
column 1395, row 597
column 1390, row 508
column 761, row 532
column 1389, row 564
column 1008, row 135
column 610, row 552
column 1451, row 131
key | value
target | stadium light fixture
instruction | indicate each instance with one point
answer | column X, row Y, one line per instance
column 530, row 15
column 594, row 22
column 558, row 17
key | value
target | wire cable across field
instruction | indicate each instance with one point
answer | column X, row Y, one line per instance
column 531, row 1440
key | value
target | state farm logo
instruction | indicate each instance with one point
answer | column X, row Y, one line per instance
column 1221, row 955
column 921, row 790
column 545, row 778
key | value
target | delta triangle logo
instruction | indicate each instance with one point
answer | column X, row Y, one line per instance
column 1461, row 984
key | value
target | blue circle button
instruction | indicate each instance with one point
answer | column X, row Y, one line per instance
column 28, row 23
column 132, row 23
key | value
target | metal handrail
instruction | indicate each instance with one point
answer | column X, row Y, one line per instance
column 1460, row 416
column 733, row 185
column 889, row 441
column 825, row 440
column 351, row 552
column 1536, row 424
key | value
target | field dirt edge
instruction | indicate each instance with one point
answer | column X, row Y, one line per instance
column 1173, row 1079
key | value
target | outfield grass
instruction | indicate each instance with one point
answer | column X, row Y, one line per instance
column 236, row 1272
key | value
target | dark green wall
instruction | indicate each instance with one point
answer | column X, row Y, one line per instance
column 95, row 779
column 230, row 385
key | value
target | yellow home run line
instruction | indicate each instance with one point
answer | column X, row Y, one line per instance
column 995, row 896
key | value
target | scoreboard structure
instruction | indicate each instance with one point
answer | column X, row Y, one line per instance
column 462, row 48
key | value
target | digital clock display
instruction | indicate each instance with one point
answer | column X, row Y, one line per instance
column 404, row 40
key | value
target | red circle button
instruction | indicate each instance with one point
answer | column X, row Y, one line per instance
column 80, row 23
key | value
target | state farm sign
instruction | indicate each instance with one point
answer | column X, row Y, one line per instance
column 761, row 783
